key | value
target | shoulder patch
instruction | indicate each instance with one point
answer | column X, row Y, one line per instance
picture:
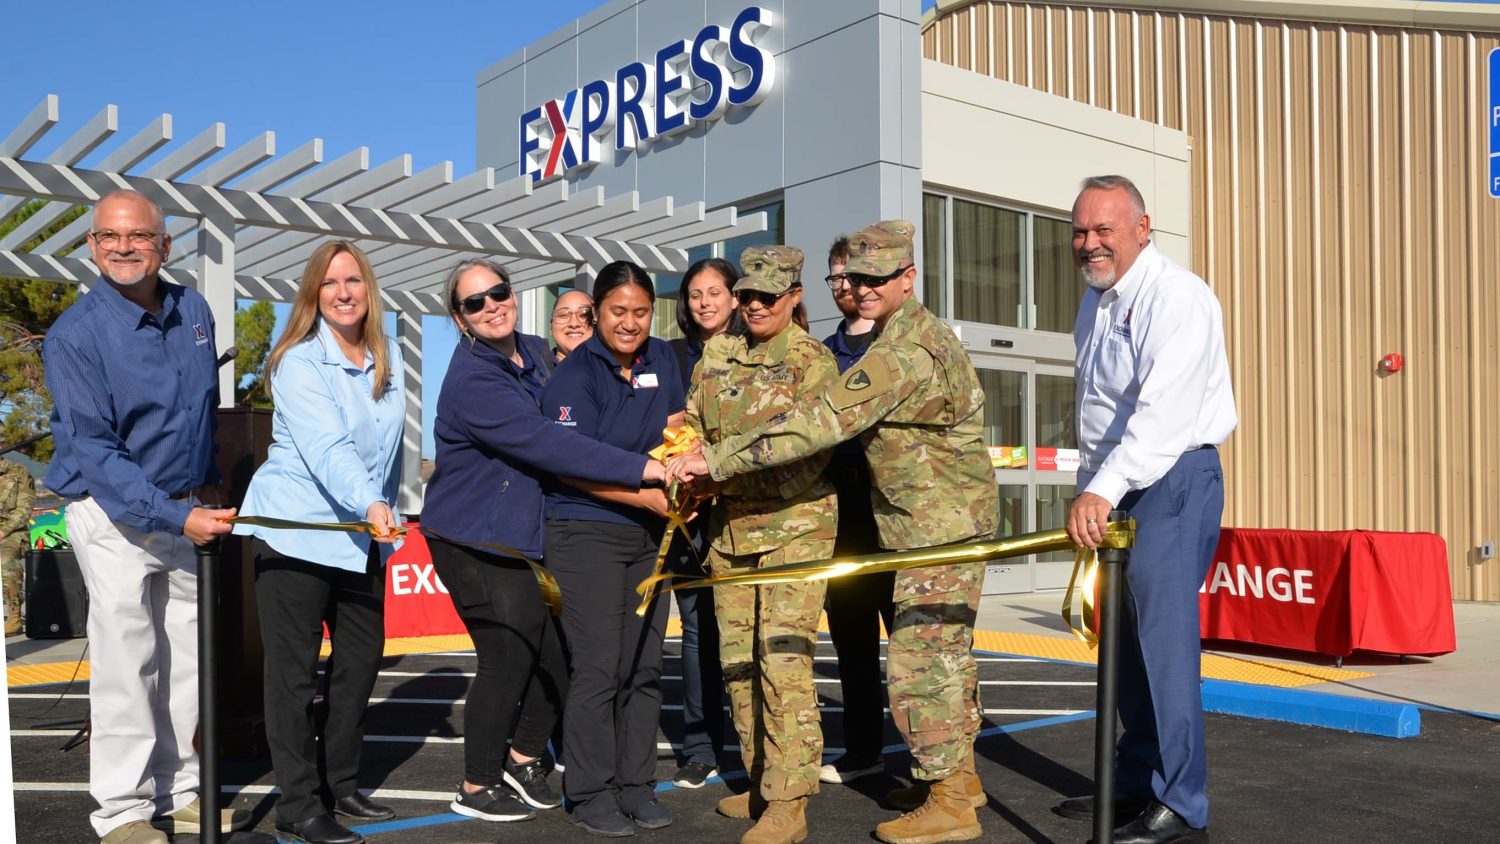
column 871, row 378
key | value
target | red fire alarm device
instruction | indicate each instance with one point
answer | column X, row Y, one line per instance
column 1391, row 363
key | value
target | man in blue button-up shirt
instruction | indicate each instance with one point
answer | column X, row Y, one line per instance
column 131, row 367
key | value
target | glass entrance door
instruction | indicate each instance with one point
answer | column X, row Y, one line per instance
column 1029, row 427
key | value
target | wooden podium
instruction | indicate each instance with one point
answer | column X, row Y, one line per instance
column 244, row 436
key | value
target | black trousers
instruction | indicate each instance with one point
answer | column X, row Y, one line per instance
column 520, row 657
column 614, row 702
column 856, row 605
column 702, row 674
column 296, row 598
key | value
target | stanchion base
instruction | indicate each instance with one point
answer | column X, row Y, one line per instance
column 242, row 837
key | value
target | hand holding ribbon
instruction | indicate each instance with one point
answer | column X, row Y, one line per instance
column 682, row 500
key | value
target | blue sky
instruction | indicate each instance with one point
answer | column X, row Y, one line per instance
column 393, row 76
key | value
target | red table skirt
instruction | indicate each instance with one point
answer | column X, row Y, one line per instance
column 416, row 602
column 1330, row 592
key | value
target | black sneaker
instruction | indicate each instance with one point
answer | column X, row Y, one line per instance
column 494, row 803
column 694, row 775
column 609, row 822
column 529, row 781
column 848, row 768
column 651, row 814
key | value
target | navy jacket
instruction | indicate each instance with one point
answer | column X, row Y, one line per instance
column 495, row 449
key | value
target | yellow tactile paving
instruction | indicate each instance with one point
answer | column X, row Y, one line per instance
column 1242, row 669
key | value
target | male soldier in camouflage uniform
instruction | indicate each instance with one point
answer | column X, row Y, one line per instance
column 17, row 493
column 785, row 514
column 917, row 405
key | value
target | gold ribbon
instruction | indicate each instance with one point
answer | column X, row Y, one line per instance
column 551, row 592
column 681, row 502
column 1116, row 535
column 1087, row 561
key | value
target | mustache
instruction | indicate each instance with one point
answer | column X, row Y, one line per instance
column 1101, row 252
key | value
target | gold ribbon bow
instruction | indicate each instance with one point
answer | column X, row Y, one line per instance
column 681, row 502
column 551, row 592
column 1086, row 561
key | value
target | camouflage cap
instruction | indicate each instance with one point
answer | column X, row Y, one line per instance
column 770, row 269
column 879, row 249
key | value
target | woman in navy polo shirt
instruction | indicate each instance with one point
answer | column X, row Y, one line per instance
column 620, row 386
column 494, row 451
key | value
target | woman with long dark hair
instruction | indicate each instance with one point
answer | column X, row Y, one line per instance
column 621, row 387
column 495, row 450
column 335, row 457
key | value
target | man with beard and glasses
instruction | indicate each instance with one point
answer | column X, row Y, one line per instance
column 1154, row 403
column 135, row 391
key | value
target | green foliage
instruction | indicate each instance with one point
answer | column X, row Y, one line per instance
column 252, row 333
column 27, row 309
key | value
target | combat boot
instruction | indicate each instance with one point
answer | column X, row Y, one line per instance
column 743, row 806
column 909, row 797
column 948, row 815
column 782, row 822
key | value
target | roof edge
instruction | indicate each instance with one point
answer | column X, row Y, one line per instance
column 1408, row 13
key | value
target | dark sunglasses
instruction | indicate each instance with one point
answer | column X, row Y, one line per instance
column 766, row 300
column 861, row 280
column 474, row 304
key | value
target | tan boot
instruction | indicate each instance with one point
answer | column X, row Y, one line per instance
column 910, row 797
column 948, row 815
column 783, row 822
column 135, row 832
column 743, row 806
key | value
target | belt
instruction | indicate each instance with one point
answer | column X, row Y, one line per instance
column 1204, row 446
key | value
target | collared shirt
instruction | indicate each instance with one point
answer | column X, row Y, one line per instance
column 588, row 395
column 848, row 470
column 135, row 399
column 849, row 348
column 495, row 449
column 336, row 450
column 1152, row 375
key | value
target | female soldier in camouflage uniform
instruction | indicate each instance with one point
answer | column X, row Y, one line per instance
column 783, row 515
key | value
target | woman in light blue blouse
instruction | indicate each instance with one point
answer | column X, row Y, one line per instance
column 335, row 380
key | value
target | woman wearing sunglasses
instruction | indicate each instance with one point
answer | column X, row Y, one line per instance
column 495, row 449
column 783, row 515
column 620, row 386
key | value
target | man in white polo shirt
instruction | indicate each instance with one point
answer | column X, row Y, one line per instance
column 1154, row 403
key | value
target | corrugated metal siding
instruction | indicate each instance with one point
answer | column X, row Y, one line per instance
column 1340, row 214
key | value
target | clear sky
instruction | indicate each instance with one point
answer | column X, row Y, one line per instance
column 397, row 77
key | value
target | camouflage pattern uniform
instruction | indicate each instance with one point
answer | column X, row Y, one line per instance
column 787, row 514
column 17, row 494
column 917, row 405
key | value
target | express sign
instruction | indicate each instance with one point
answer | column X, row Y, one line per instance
column 689, row 82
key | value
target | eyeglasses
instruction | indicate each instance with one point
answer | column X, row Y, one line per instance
column 766, row 300
column 835, row 280
column 474, row 304
column 139, row 240
column 862, row 280
column 565, row 316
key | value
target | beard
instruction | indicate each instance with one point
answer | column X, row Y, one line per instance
column 1098, row 279
column 128, row 275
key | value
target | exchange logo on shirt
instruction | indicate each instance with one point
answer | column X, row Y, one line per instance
column 565, row 416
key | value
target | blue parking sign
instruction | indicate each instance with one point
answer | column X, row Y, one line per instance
column 1494, row 118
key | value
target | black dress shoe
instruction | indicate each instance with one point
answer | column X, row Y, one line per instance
column 359, row 806
column 1159, row 825
column 322, row 829
column 1082, row 808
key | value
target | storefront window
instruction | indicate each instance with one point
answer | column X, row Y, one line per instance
column 934, row 254
column 1012, row 510
column 1052, row 504
column 1056, row 282
column 988, row 254
column 1005, row 416
column 1054, row 412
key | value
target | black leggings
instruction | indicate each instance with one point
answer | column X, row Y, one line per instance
column 520, row 658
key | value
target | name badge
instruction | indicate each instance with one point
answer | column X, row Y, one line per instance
column 645, row 379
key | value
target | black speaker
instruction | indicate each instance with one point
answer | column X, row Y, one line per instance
column 57, row 602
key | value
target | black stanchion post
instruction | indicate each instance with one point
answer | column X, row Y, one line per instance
column 208, row 686
column 1111, row 573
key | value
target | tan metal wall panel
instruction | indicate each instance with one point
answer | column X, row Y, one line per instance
column 1340, row 214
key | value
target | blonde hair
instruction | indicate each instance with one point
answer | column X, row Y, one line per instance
column 303, row 322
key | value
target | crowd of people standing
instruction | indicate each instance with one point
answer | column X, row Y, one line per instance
column 871, row 440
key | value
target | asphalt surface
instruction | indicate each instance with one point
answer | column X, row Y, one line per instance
column 1268, row 781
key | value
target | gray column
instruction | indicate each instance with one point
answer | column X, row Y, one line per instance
column 216, row 283
column 409, row 337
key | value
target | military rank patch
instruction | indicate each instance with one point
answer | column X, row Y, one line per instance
column 871, row 378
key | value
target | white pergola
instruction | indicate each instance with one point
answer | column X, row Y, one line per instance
column 244, row 221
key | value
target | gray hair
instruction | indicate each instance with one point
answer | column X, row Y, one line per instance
column 1117, row 183
column 450, row 284
column 126, row 193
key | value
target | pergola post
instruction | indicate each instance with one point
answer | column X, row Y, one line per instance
column 409, row 338
column 216, row 283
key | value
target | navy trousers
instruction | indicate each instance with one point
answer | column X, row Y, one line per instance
column 1161, row 751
